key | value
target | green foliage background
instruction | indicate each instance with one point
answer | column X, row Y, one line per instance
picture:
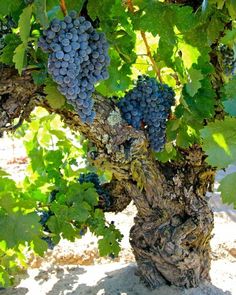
column 184, row 44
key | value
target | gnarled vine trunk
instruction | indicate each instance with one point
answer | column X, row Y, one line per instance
column 171, row 243
column 172, row 230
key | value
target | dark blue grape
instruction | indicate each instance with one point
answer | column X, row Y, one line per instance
column 228, row 60
column 59, row 55
column 67, row 19
column 148, row 104
column 67, row 48
column 65, row 42
column 78, row 59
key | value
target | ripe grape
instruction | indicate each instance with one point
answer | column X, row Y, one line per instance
column 78, row 59
column 148, row 104
column 228, row 60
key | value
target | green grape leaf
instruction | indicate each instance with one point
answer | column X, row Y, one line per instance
column 91, row 197
column 186, row 135
column 227, row 189
column 230, row 89
column 189, row 53
column 231, row 5
column 58, row 225
column 169, row 153
column 39, row 77
column 215, row 27
column 24, row 24
column 195, row 76
column 16, row 228
column 6, row 183
column 54, row 97
column 219, row 142
column 19, row 57
column 8, row 7
column 74, row 5
column 79, row 212
column 230, row 92
column 230, row 107
column 39, row 7
column 201, row 105
column 7, row 53
column 229, row 37
column 39, row 245
column 5, row 7
column 38, row 195
column 108, row 245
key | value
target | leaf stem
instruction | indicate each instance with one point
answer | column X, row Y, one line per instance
column 154, row 65
column 63, row 7
column 131, row 8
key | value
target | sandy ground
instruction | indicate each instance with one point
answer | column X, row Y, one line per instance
column 76, row 268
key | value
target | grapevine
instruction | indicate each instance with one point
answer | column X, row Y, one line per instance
column 148, row 103
column 49, row 56
column 78, row 59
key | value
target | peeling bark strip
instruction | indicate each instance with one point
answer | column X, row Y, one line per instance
column 172, row 230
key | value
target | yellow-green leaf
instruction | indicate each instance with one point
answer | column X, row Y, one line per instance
column 24, row 23
column 54, row 97
column 227, row 189
column 19, row 57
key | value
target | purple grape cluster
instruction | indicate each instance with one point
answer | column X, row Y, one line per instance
column 148, row 105
column 78, row 59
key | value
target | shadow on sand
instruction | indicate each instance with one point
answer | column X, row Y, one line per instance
column 121, row 281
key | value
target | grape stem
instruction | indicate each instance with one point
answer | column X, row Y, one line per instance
column 130, row 6
column 154, row 65
column 63, row 7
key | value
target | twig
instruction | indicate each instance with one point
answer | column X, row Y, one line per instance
column 154, row 65
column 130, row 6
column 63, row 7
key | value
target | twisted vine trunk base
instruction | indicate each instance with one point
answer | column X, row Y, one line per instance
column 172, row 245
column 172, row 230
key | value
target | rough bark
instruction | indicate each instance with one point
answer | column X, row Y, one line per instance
column 172, row 230
column 172, row 244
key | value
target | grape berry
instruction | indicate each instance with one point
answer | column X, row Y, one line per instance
column 44, row 217
column 78, row 59
column 148, row 104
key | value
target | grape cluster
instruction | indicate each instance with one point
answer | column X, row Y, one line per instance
column 78, row 59
column 148, row 105
column 228, row 60
column 103, row 194
column 44, row 216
